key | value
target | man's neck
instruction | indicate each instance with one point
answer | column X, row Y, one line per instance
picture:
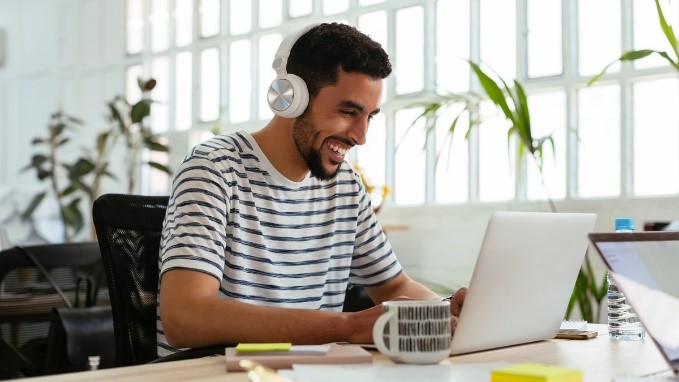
column 276, row 141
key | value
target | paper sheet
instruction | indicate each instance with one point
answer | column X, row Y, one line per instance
column 392, row 373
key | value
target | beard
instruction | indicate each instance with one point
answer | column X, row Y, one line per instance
column 304, row 135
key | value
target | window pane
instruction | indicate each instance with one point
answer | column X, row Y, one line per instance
column 209, row 84
column 369, row 2
column 548, row 117
column 409, row 161
column 374, row 24
column 496, row 183
column 134, row 27
column 452, row 166
column 452, row 20
column 656, row 137
column 498, row 36
column 544, row 38
column 299, row 8
column 267, row 50
column 647, row 31
column 183, row 91
column 371, row 156
column 209, row 11
column 160, row 25
column 240, row 72
column 270, row 13
column 331, row 7
column 409, row 63
column 240, row 17
column 599, row 138
column 158, row 181
column 184, row 24
column 132, row 91
column 160, row 112
column 599, row 35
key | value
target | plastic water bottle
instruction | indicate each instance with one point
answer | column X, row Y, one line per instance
column 622, row 321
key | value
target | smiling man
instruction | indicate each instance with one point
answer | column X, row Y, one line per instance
column 264, row 231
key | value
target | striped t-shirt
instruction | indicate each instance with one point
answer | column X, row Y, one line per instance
column 271, row 241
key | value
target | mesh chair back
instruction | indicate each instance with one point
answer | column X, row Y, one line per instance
column 128, row 229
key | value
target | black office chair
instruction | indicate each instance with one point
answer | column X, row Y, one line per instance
column 128, row 229
column 27, row 299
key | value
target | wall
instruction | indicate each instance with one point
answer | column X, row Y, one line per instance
column 60, row 54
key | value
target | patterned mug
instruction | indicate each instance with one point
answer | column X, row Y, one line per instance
column 414, row 331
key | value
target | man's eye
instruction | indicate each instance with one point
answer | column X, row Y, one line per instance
column 349, row 112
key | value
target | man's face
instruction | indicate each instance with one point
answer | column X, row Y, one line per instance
column 336, row 121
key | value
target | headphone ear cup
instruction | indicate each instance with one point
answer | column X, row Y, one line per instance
column 288, row 96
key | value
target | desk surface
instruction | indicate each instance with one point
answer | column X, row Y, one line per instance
column 600, row 359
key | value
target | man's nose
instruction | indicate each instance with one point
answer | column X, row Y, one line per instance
column 358, row 132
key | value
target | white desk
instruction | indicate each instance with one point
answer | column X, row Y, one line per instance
column 600, row 359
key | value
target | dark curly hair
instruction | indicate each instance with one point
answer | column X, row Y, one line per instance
column 318, row 55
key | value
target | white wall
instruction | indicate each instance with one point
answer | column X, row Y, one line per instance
column 60, row 54
column 68, row 53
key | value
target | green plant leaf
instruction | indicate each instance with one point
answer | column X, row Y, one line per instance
column 35, row 202
column 667, row 29
column 81, row 167
column 38, row 160
column 37, row 141
column 72, row 215
column 492, row 90
column 160, row 167
column 140, row 110
column 43, row 174
column 154, row 145
column 101, row 141
column 115, row 116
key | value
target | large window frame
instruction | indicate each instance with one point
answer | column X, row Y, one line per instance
column 570, row 83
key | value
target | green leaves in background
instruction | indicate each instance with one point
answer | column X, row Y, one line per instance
column 69, row 182
column 634, row 55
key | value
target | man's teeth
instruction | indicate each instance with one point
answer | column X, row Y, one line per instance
column 338, row 150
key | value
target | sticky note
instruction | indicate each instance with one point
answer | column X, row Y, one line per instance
column 263, row 347
column 535, row 372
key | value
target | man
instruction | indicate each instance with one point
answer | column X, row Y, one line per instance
column 263, row 232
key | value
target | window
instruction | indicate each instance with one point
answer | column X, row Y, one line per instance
column 618, row 138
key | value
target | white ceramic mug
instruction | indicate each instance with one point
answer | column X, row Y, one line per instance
column 414, row 331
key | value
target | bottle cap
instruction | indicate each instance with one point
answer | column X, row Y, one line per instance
column 624, row 224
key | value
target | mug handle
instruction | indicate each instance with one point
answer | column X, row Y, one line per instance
column 378, row 332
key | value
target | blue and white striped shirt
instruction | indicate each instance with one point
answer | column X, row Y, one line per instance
column 271, row 241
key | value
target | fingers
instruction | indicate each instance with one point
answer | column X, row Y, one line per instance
column 457, row 301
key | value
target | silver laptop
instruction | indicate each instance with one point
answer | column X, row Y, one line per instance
column 645, row 265
column 523, row 279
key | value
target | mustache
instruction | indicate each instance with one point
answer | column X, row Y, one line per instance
column 344, row 140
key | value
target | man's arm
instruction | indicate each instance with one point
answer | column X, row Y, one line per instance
column 402, row 286
column 193, row 315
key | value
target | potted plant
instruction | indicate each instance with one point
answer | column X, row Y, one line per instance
column 513, row 105
column 70, row 182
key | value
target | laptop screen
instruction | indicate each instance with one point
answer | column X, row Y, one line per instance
column 648, row 263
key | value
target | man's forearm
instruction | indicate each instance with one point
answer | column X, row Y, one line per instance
column 214, row 320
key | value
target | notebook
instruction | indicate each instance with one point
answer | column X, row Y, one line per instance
column 644, row 265
column 523, row 279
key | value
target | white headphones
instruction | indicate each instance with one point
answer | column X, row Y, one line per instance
column 288, row 95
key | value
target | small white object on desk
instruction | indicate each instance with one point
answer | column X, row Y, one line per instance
column 574, row 325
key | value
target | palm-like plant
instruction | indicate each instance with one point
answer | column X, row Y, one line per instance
column 513, row 104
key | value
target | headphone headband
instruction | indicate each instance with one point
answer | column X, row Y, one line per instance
column 280, row 61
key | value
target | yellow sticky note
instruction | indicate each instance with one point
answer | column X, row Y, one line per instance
column 535, row 372
column 263, row 347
